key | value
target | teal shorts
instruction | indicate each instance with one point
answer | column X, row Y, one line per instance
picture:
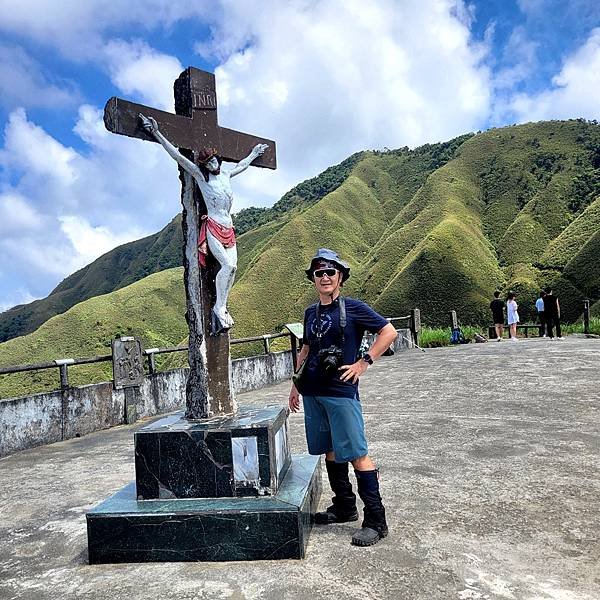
column 335, row 424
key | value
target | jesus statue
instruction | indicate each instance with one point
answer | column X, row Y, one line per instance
column 216, row 234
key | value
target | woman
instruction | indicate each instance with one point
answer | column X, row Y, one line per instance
column 512, row 316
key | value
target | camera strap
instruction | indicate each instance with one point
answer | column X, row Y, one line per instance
column 342, row 307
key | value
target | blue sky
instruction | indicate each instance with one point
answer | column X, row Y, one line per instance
column 324, row 78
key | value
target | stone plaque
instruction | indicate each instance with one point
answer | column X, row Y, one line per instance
column 128, row 363
column 204, row 100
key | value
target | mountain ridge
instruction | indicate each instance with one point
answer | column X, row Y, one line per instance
column 162, row 250
column 438, row 227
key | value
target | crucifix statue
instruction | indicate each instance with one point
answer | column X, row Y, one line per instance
column 210, row 255
column 216, row 230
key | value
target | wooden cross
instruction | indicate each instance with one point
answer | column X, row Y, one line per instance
column 195, row 126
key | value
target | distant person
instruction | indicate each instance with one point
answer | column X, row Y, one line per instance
column 497, row 307
column 552, row 314
column 539, row 306
column 512, row 315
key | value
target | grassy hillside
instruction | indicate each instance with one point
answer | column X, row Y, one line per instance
column 438, row 227
column 301, row 196
column 113, row 270
column 151, row 309
column 163, row 250
column 273, row 289
column 443, row 226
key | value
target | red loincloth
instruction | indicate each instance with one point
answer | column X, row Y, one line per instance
column 226, row 235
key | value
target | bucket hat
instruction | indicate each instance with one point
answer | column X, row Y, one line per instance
column 325, row 254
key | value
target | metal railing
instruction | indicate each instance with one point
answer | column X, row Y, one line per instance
column 63, row 364
column 265, row 339
column 393, row 319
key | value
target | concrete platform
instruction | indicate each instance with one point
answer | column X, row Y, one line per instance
column 489, row 456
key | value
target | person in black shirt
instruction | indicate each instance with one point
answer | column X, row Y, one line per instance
column 333, row 330
column 497, row 307
column 552, row 314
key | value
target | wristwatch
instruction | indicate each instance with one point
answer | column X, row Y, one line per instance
column 367, row 358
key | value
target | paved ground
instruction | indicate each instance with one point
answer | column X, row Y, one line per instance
column 489, row 455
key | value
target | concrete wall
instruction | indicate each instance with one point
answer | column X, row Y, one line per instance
column 256, row 372
column 54, row 416
column 402, row 342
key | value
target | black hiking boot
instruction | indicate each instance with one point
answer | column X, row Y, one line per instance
column 374, row 526
column 343, row 509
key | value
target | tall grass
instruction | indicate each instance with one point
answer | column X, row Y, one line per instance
column 578, row 326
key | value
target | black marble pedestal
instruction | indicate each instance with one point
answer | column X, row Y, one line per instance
column 123, row 529
column 246, row 454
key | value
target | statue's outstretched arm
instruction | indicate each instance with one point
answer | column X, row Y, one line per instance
column 151, row 126
column 257, row 151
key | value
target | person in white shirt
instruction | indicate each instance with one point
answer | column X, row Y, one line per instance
column 512, row 316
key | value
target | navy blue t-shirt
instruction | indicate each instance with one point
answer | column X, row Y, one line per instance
column 360, row 317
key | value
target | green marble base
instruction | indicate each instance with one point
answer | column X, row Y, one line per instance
column 123, row 529
column 246, row 454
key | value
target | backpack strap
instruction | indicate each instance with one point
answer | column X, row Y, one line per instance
column 342, row 305
column 343, row 319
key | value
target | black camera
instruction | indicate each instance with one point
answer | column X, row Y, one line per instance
column 330, row 359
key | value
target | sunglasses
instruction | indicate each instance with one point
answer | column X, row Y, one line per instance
column 322, row 272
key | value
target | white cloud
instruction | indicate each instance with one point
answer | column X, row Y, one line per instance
column 66, row 208
column 584, row 12
column 141, row 72
column 134, row 180
column 30, row 148
column 90, row 242
column 24, row 83
column 18, row 296
column 328, row 78
column 35, row 258
column 575, row 89
column 323, row 77
column 17, row 216
column 520, row 53
column 532, row 7
column 77, row 28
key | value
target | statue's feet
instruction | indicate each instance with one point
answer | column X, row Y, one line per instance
column 221, row 321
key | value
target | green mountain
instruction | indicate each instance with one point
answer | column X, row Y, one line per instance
column 163, row 250
column 438, row 227
column 304, row 194
column 513, row 208
column 113, row 270
column 151, row 309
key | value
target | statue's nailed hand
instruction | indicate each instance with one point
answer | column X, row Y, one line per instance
column 148, row 123
column 259, row 149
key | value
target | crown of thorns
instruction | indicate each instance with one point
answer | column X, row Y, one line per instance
column 206, row 154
